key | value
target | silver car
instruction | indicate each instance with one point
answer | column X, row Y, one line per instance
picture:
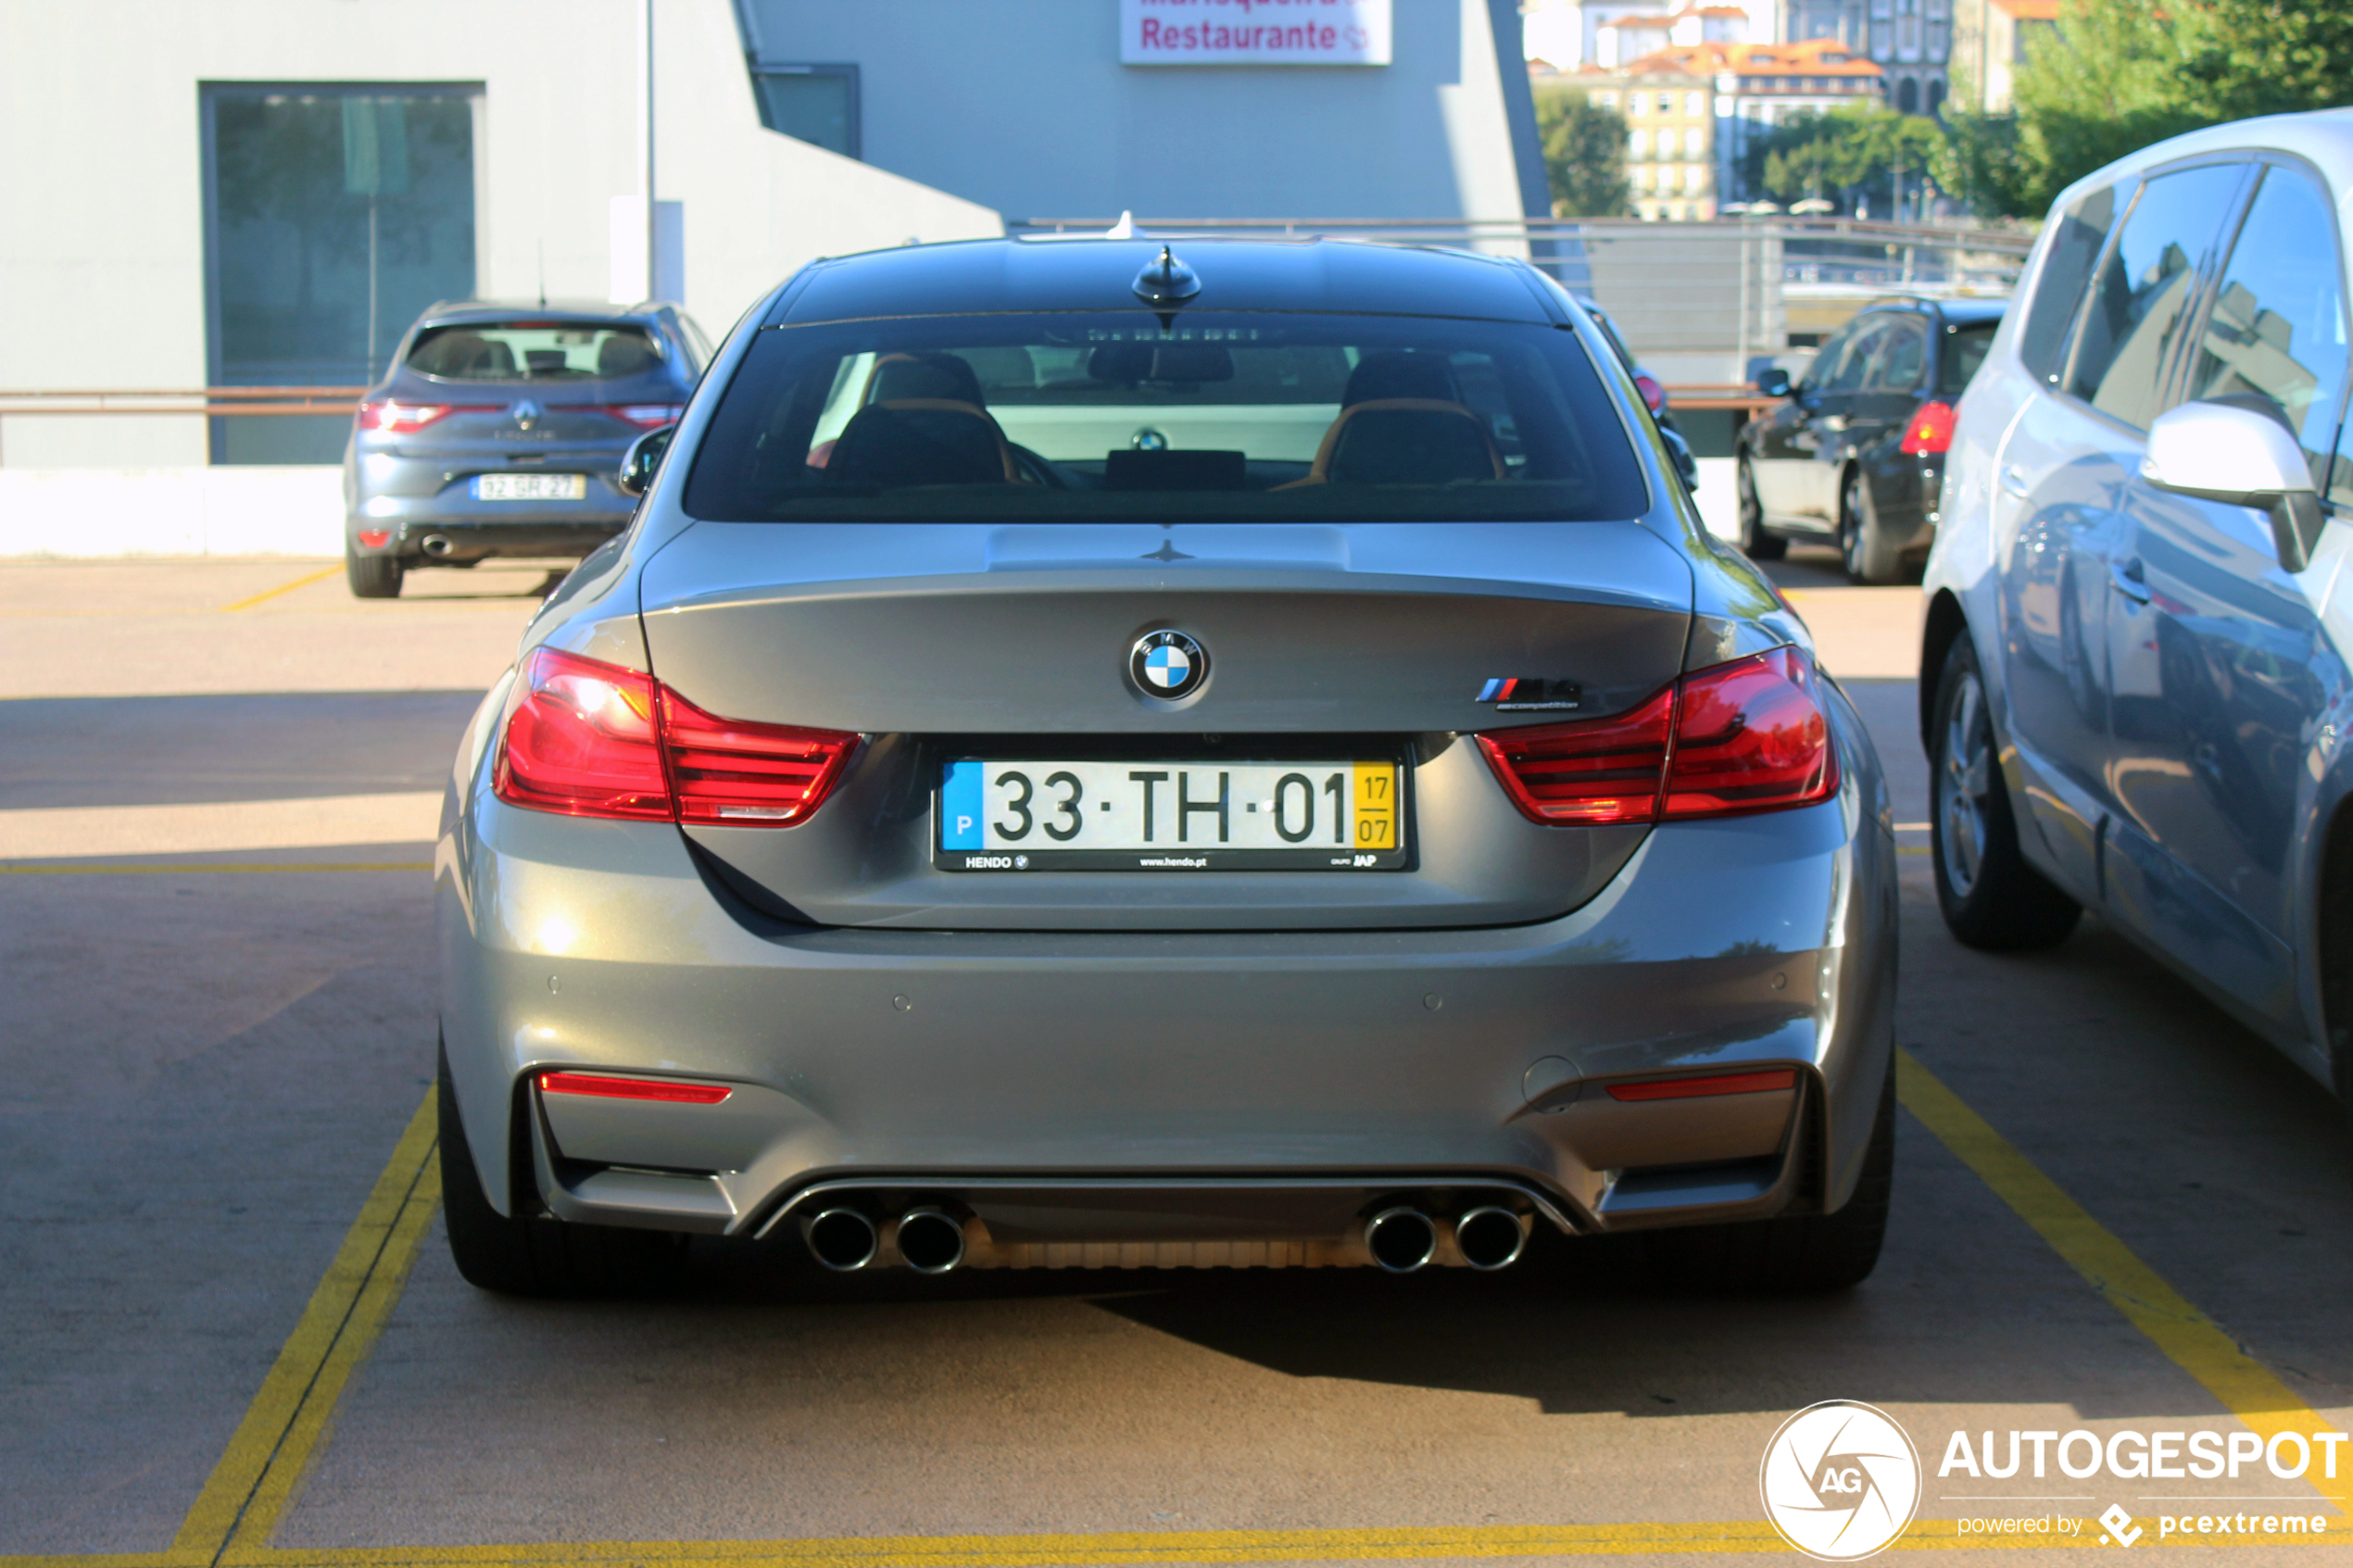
column 498, row 430
column 2138, row 623
column 1090, row 756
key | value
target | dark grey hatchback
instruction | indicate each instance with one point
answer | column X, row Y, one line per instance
column 498, row 432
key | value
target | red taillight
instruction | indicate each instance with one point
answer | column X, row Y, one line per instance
column 400, row 417
column 645, row 415
column 590, row 739
column 1722, row 1084
column 748, row 775
column 1750, row 736
column 1653, row 394
column 375, row 538
column 606, row 1087
column 1595, row 770
column 1930, row 430
column 579, row 740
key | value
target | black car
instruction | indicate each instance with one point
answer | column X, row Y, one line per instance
column 1856, row 455
column 500, row 430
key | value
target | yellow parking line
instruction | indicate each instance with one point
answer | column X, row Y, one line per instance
column 266, row 1456
column 209, row 868
column 2194, row 1342
column 267, row 593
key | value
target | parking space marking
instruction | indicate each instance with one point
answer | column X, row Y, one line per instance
column 269, row 594
column 233, row 1519
column 2194, row 1341
column 258, row 1471
column 209, row 870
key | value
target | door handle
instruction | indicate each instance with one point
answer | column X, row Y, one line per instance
column 2013, row 481
column 2126, row 580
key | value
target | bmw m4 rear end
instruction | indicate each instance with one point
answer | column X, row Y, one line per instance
column 1094, row 757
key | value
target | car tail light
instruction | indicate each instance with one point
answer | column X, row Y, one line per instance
column 724, row 771
column 645, row 415
column 1594, row 770
column 1653, row 394
column 1746, row 736
column 606, row 1088
column 1721, row 1084
column 400, row 417
column 579, row 740
column 589, row 739
column 1930, row 430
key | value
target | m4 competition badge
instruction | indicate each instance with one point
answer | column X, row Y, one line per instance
column 1168, row 665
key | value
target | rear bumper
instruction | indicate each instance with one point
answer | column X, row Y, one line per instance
column 424, row 543
column 380, row 498
column 1125, row 1069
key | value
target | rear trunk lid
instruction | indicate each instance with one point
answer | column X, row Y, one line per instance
column 1356, row 644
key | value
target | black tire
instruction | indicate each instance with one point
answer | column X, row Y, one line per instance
column 372, row 577
column 537, row 1257
column 1797, row 1254
column 1991, row 898
column 1864, row 559
column 1756, row 544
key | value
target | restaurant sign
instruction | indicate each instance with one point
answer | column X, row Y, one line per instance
column 1254, row 32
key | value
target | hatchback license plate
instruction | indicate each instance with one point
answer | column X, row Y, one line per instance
column 531, row 488
column 1018, row 815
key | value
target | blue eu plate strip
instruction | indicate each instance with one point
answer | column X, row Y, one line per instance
column 960, row 806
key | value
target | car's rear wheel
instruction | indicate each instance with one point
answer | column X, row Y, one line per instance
column 1867, row 558
column 535, row 1257
column 1990, row 897
column 1756, row 543
column 1797, row 1254
column 372, row 577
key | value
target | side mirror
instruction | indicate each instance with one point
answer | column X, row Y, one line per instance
column 2241, row 458
column 1773, row 381
column 638, row 464
column 1685, row 464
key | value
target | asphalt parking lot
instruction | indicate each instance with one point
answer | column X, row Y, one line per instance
column 229, row 1331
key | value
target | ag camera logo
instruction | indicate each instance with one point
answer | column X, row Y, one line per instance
column 1840, row 1480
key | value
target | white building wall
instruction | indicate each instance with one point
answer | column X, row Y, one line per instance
column 102, row 251
column 1024, row 106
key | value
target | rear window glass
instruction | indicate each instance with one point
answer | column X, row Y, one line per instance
column 1963, row 352
column 1113, row 417
column 2067, row 272
column 534, row 351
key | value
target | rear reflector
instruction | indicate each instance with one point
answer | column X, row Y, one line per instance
column 632, row 1089
column 375, row 538
column 589, row 739
column 1693, row 1088
column 1746, row 736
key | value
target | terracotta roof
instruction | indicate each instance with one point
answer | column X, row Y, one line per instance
column 1819, row 57
column 2031, row 10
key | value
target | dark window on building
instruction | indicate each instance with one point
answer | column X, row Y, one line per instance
column 1907, row 96
column 813, row 104
column 334, row 216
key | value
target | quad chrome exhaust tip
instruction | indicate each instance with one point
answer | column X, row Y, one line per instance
column 931, row 1241
column 1489, row 1237
column 843, row 1240
column 1401, row 1240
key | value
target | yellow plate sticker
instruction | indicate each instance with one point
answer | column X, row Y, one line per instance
column 1376, row 805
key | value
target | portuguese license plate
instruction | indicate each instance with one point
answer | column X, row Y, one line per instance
column 1018, row 815
column 531, row 488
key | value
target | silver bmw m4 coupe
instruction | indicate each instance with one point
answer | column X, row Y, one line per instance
column 1094, row 757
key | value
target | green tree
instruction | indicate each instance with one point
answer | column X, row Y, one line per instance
column 1584, row 155
column 2117, row 75
column 1858, row 148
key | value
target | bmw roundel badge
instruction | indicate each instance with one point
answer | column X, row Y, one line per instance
column 1168, row 665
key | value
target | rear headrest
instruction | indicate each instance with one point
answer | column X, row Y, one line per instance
column 1401, row 373
column 1408, row 441
column 919, row 441
column 944, row 376
column 624, row 354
